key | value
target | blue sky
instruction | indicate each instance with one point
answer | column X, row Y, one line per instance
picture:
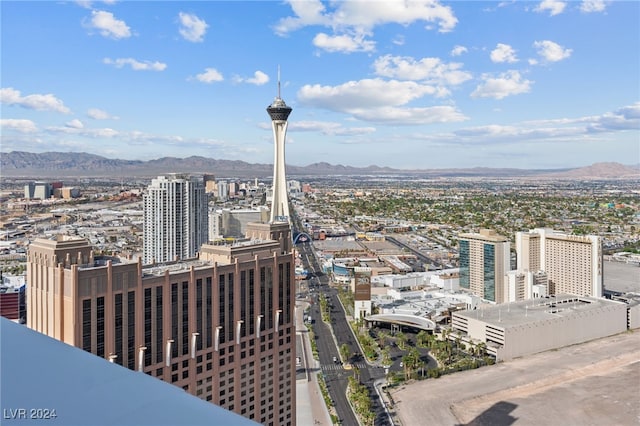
column 426, row 84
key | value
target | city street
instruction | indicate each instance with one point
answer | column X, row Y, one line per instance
column 328, row 343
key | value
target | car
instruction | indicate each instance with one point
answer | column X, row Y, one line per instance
column 401, row 364
column 335, row 359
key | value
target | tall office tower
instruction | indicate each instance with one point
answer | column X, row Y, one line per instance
column 279, row 112
column 221, row 327
column 572, row 263
column 175, row 218
column 484, row 262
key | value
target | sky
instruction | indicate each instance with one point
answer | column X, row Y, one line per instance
column 409, row 85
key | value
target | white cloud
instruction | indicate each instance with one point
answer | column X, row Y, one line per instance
column 48, row 102
column 19, row 125
column 98, row 114
column 458, row 50
column 363, row 94
column 427, row 70
column 558, row 130
column 343, row 43
column 328, row 128
column 75, row 124
column 503, row 53
column 409, row 116
column 506, row 84
column 555, row 7
column 89, row 4
column 588, row 6
column 192, row 28
column 550, row 51
column 135, row 64
column 108, row 25
column 209, row 75
column 350, row 20
column 378, row 100
column 625, row 118
column 259, row 78
column 307, row 13
column 398, row 40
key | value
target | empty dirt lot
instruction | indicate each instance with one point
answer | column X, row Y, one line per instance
column 596, row 383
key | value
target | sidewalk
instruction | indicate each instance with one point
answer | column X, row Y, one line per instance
column 310, row 406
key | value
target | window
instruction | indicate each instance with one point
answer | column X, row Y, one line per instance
column 199, row 313
column 147, row 326
column 100, row 326
column 174, row 318
column 118, row 328
column 86, row 325
column 209, row 312
column 131, row 329
column 185, row 318
column 159, row 337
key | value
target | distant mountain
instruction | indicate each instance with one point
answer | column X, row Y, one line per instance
column 599, row 171
column 72, row 164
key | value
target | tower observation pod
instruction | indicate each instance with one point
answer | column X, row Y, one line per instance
column 279, row 112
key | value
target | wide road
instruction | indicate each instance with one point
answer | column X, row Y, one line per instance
column 335, row 375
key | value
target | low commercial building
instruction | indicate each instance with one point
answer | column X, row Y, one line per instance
column 526, row 327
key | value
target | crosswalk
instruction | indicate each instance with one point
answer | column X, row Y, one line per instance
column 335, row 367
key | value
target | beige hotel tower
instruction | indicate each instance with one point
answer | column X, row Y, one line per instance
column 220, row 326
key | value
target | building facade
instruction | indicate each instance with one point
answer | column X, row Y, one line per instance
column 531, row 326
column 221, row 327
column 572, row 263
column 175, row 218
column 484, row 262
column 39, row 190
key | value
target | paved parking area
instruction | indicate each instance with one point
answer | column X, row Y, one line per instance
column 595, row 383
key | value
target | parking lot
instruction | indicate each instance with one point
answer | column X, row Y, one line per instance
column 596, row 383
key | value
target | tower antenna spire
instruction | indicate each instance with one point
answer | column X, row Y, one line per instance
column 278, row 81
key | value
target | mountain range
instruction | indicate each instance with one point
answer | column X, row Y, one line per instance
column 81, row 164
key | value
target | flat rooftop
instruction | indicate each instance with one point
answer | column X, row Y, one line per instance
column 530, row 311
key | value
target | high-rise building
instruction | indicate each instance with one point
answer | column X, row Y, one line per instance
column 220, row 327
column 175, row 218
column 572, row 263
column 279, row 112
column 484, row 262
column 41, row 190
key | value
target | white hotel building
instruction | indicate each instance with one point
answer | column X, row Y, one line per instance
column 572, row 263
column 175, row 218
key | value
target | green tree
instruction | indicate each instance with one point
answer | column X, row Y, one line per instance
column 401, row 340
column 345, row 352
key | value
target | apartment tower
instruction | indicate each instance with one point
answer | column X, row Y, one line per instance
column 484, row 262
column 175, row 218
column 572, row 263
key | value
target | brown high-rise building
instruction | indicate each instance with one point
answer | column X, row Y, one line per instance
column 221, row 326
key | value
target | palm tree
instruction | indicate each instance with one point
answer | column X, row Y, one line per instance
column 345, row 352
column 401, row 340
column 386, row 356
column 422, row 338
